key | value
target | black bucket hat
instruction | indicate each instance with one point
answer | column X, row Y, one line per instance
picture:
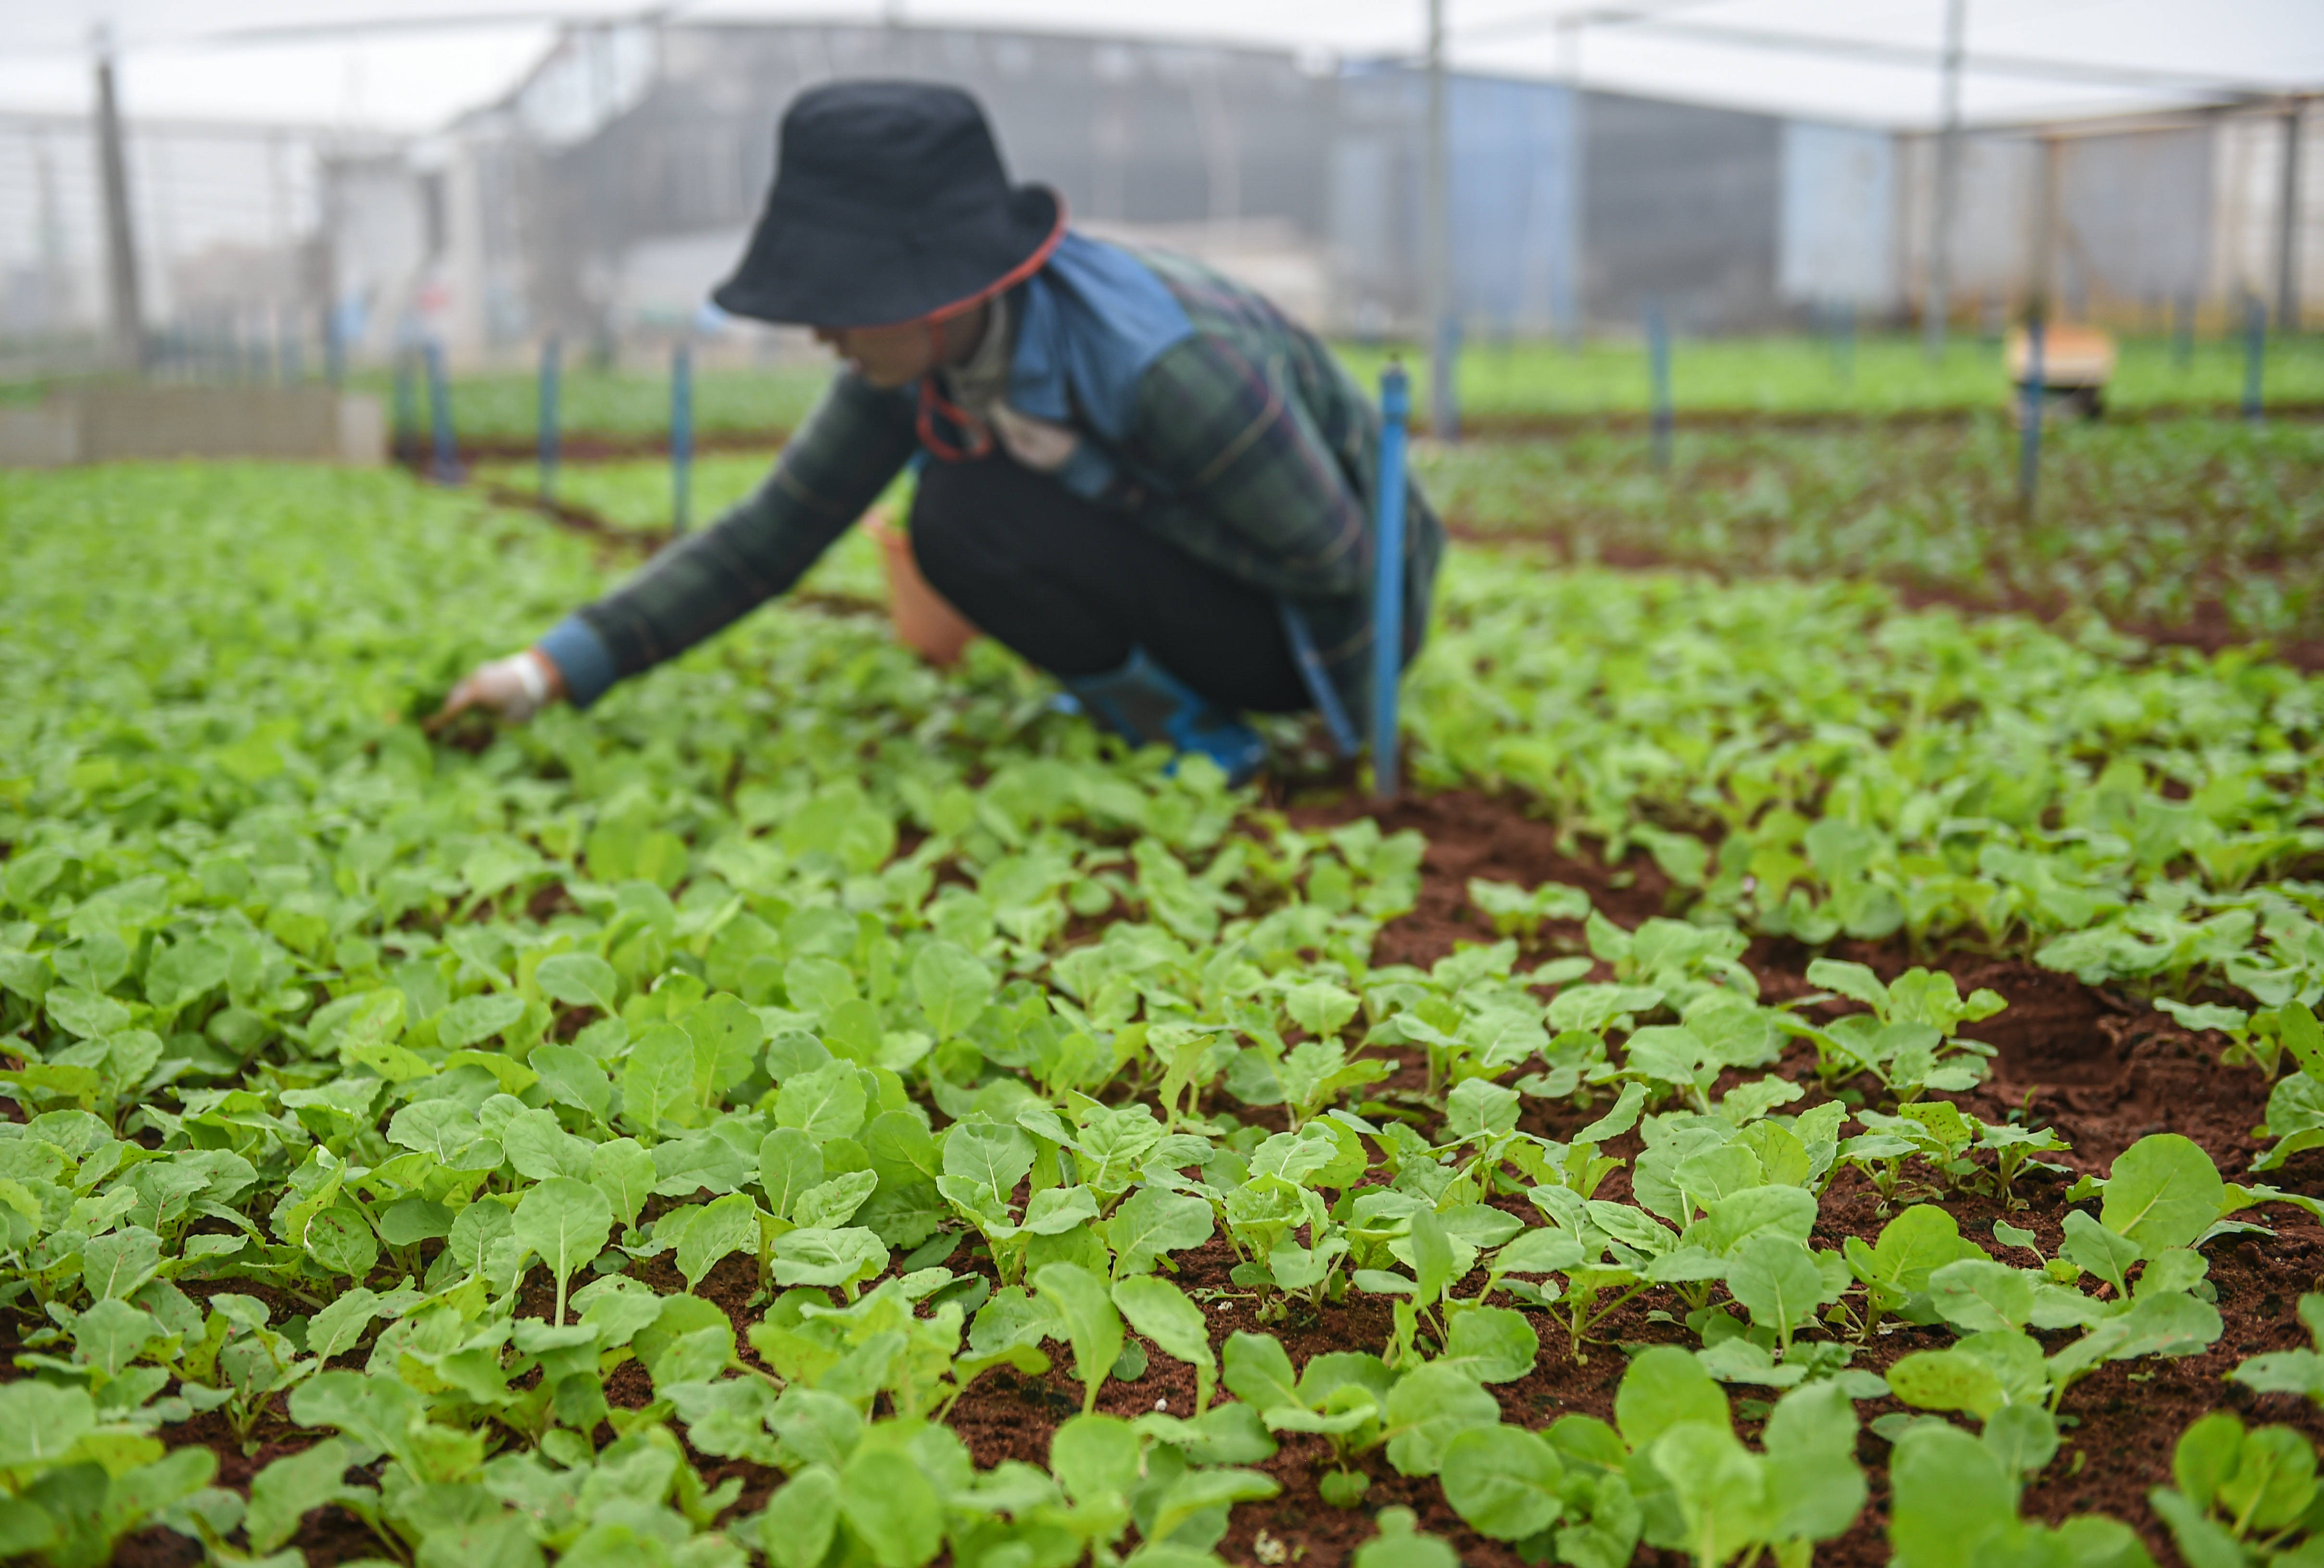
column 889, row 206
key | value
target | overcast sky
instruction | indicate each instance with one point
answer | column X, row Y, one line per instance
column 210, row 58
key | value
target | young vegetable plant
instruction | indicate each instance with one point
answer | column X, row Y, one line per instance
column 1341, row 1396
column 984, row 1162
column 2290, row 1371
column 1520, row 912
column 1492, row 1344
column 241, row 1363
column 1909, row 1042
column 2164, row 1195
column 1279, row 1196
column 1160, row 1311
column 2241, row 1497
column 1954, row 1505
column 1947, row 1139
column 1699, row 1490
column 2295, row 1105
column 1895, row 1270
column 73, row 1483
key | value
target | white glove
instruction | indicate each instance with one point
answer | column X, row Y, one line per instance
column 512, row 690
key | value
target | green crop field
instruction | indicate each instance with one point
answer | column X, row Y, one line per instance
column 1880, row 374
column 1800, row 1078
column 2162, row 526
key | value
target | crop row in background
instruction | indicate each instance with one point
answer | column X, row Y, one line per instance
column 1501, row 385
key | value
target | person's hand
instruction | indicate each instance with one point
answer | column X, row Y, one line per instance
column 510, row 689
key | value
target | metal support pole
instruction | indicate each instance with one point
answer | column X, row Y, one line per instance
column 681, row 435
column 2255, row 355
column 1436, row 244
column 2046, row 227
column 1566, row 289
column 2287, row 233
column 1658, row 356
column 1388, row 581
column 1934, row 305
column 552, row 354
column 445, row 469
column 125, row 315
column 2029, row 439
column 289, row 348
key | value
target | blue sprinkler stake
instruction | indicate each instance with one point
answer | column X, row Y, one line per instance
column 1387, row 580
column 446, row 467
column 2255, row 355
column 681, row 434
column 1659, row 351
column 552, row 362
column 2029, row 439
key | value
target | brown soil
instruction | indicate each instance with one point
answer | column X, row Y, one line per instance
column 414, row 449
column 2102, row 1068
column 565, row 514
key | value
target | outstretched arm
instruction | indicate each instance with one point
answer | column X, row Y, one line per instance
column 851, row 445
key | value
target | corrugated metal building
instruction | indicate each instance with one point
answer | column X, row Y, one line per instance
column 1572, row 210
column 606, row 193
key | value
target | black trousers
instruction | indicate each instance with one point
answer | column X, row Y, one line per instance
column 1074, row 588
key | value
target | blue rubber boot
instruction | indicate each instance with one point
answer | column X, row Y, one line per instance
column 1145, row 705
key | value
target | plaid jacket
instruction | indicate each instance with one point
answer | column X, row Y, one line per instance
column 1250, row 447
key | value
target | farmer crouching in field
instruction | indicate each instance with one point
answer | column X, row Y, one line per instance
column 1139, row 476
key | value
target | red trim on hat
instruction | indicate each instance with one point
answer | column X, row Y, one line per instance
column 1007, row 280
column 933, row 402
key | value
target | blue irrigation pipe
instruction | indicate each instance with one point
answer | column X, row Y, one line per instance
column 2255, row 355
column 551, row 437
column 1659, row 351
column 406, row 443
column 681, row 435
column 2029, row 437
column 1387, row 580
column 1848, row 344
column 445, row 469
